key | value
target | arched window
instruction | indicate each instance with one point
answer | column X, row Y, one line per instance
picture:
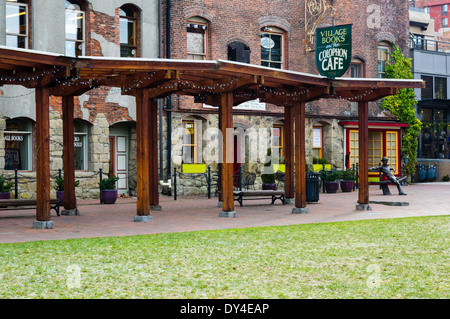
column 17, row 24
column 197, row 38
column 357, row 68
column 18, row 144
column 384, row 49
column 272, row 47
column 129, row 19
column 75, row 28
column 239, row 52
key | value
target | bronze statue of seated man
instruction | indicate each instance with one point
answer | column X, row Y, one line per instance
column 386, row 170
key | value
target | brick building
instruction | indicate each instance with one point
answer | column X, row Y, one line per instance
column 278, row 34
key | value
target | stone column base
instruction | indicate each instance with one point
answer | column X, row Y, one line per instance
column 230, row 214
column 38, row 224
column 156, row 207
column 300, row 210
column 290, row 200
column 70, row 212
column 142, row 219
column 363, row 207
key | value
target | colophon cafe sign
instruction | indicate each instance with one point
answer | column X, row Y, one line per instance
column 333, row 50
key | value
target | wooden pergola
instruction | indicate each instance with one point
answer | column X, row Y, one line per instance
column 218, row 83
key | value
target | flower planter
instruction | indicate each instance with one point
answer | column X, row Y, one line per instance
column 5, row 195
column 60, row 196
column 331, row 187
column 109, row 196
column 347, row 186
column 272, row 187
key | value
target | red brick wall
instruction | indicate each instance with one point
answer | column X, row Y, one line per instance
column 231, row 20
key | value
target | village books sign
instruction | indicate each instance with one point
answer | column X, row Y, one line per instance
column 333, row 50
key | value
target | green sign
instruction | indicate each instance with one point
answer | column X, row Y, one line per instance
column 333, row 50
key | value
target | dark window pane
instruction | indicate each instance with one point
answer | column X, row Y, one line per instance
column 440, row 88
column 427, row 92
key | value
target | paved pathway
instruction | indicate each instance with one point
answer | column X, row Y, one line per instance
column 199, row 213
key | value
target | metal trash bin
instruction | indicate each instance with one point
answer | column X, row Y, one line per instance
column 312, row 187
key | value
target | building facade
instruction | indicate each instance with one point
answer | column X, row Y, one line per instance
column 431, row 63
column 277, row 34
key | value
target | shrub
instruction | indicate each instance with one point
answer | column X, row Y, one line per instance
column 347, row 175
column 108, row 183
column 60, row 184
column 5, row 186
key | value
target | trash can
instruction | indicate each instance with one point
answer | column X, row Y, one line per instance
column 312, row 187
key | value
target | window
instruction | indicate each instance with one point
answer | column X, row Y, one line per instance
column 444, row 22
column 272, row 47
column 383, row 57
column 189, row 149
column 317, row 142
column 435, row 87
column 239, row 52
column 196, row 38
column 427, row 91
column 434, row 137
column 80, row 145
column 74, row 29
column 128, row 31
column 380, row 144
column 375, row 150
column 427, row 10
column 277, row 141
column 356, row 68
column 17, row 24
column 444, row 9
column 18, row 142
column 440, row 88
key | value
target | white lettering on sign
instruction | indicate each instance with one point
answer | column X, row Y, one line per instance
column 13, row 138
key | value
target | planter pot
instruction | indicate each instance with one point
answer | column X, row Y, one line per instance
column 5, row 195
column 272, row 187
column 331, row 187
column 60, row 196
column 108, row 196
column 347, row 186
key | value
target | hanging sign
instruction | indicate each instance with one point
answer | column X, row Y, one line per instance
column 333, row 50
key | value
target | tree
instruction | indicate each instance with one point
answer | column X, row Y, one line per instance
column 403, row 106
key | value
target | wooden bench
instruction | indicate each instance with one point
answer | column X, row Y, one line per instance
column 262, row 194
column 54, row 203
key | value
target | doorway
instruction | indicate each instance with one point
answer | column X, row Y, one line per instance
column 119, row 140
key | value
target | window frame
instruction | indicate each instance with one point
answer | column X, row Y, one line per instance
column 279, row 32
column 193, row 144
column 135, row 20
column 83, row 40
column 29, row 139
column 85, row 140
column 202, row 27
column 354, row 158
column 26, row 35
column 281, row 140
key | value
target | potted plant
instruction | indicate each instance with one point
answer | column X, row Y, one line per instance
column 5, row 188
column 330, row 180
column 347, row 179
column 108, row 191
column 268, row 175
column 59, row 187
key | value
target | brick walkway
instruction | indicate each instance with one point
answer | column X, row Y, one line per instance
column 199, row 213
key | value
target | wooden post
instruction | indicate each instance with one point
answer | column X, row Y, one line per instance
column 153, row 159
column 300, row 160
column 142, row 156
column 226, row 122
column 42, row 155
column 363, row 117
column 289, row 152
column 70, row 205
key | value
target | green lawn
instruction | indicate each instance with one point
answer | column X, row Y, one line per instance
column 393, row 258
